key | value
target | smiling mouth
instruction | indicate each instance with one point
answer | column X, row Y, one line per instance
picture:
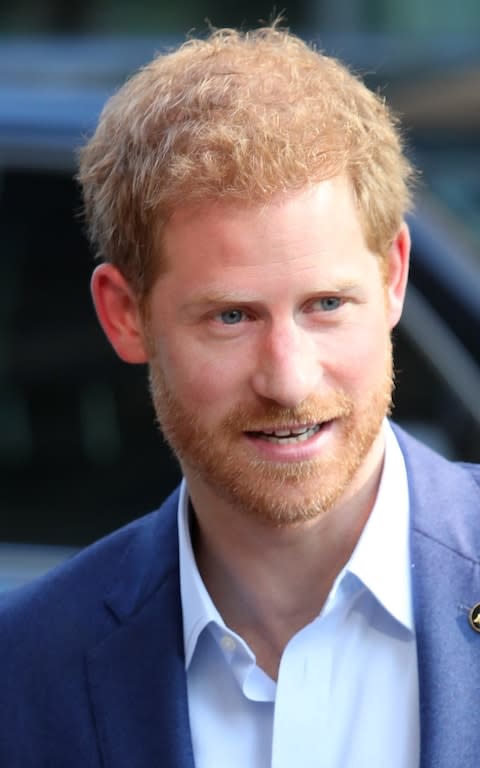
column 288, row 435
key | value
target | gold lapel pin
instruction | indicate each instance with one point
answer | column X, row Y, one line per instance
column 474, row 617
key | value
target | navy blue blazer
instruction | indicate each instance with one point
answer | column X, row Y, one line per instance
column 91, row 655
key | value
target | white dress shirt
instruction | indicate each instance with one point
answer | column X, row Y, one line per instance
column 347, row 688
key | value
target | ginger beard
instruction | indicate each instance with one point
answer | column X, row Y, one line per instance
column 277, row 493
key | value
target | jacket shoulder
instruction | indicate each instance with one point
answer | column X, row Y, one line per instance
column 444, row 498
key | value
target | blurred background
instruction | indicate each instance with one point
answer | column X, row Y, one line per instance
column 79, row 451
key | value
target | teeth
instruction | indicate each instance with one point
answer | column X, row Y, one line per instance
column 287, row 432
column 289, row 436
column 300, row 430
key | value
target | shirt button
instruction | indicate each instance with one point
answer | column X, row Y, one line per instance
column 228, row 643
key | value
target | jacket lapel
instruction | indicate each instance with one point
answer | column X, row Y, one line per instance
column 445, row 549
column 137, row 674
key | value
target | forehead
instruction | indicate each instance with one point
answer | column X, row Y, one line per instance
column 322, row 216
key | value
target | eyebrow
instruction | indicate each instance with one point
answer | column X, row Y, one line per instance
column 219, row 297
column 200, row 301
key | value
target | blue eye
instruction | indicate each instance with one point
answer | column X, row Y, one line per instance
column 330, row 303
column 232, row 316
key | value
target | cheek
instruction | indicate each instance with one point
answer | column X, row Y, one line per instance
column 360, row 364
column 199, row 378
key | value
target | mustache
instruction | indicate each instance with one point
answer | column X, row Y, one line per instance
column 270, row 415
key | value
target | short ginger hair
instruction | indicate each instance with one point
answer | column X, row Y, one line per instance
column 239, row 116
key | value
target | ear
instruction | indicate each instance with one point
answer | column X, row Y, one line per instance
column 396, row 275
column 118, row 313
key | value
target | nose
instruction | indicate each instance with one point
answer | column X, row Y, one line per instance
column 288, row 367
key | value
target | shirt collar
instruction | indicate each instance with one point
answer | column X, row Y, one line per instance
column 380, row 561
column 197, row 606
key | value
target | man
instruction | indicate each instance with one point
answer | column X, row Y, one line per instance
column 307, row 597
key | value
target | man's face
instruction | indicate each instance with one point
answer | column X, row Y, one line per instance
column 270, row 355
